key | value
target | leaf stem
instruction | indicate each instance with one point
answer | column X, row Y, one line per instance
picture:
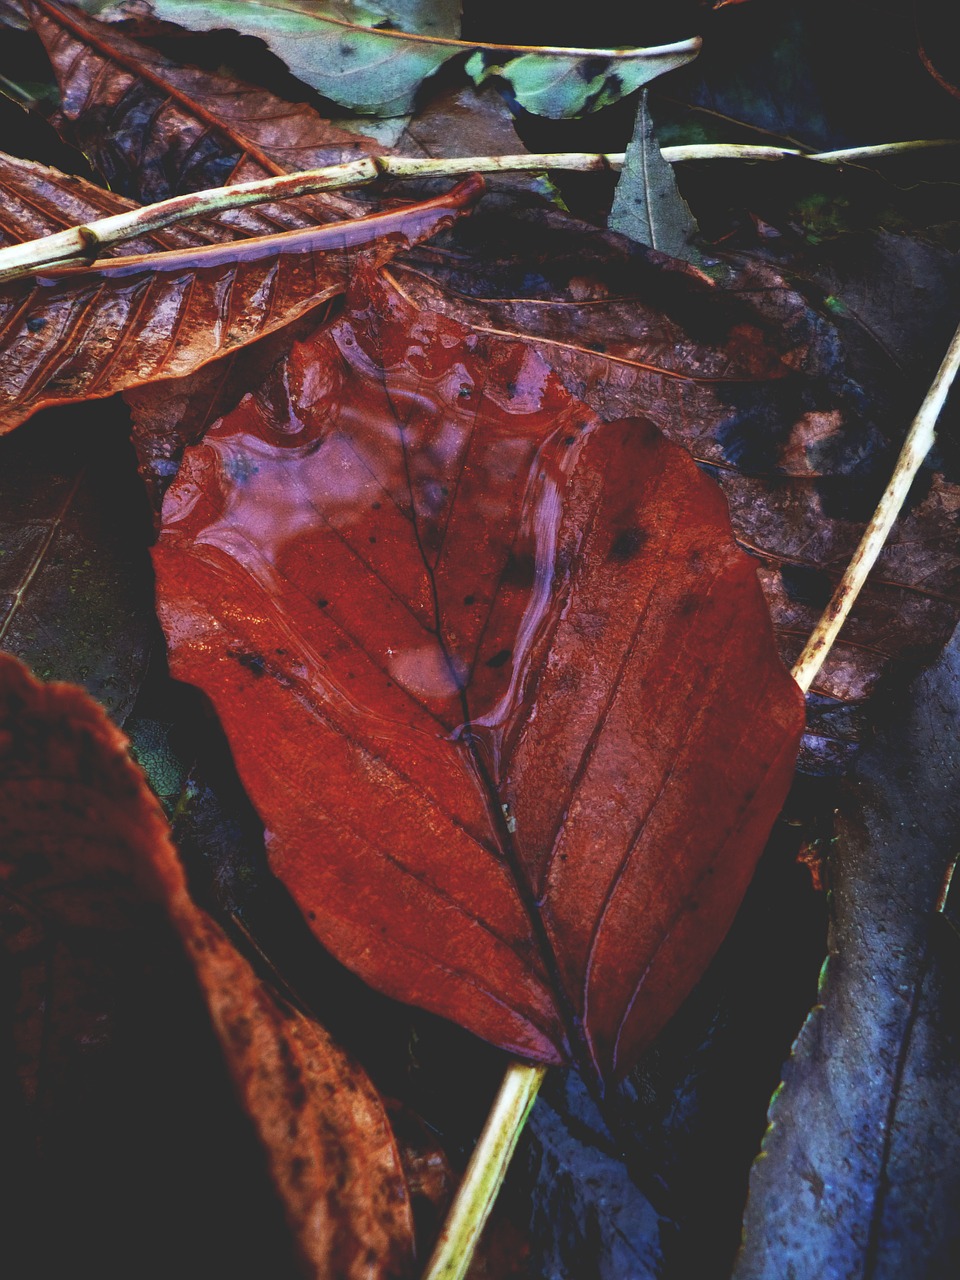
column 916, row 446
column 485, row 1172
column 89, row 241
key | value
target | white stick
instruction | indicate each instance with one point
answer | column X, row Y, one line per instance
column 86, row 242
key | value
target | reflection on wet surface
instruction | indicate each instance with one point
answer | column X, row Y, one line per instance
column 410, row 518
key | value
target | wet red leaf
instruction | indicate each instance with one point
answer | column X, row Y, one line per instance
column 494, row 673
column 80, row 332
column 86, row 850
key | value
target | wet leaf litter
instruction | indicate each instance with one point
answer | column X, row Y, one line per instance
column 776, row 348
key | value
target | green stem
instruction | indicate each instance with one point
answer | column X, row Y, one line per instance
column 91, row 240
column 485, row 1172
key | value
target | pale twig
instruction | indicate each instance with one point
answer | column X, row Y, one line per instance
column 91, row 240
column 485, row 1172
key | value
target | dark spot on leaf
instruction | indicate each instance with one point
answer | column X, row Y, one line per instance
column 592, row 68
column 468, row 600
column 689, row 605
column 627, row 543
column 500, row 659
column 372, row 538
column 806, row 585
column 569, row 440
column 376, row 506
column 347, row 51
column 36, row 323
column 322, row 603
column 293, row 1077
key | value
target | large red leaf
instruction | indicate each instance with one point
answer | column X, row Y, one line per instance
column 500, row 684
column 86, row 850
column 79, row 332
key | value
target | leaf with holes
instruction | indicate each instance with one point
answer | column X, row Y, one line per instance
column 494, row 674
column 75, row 333
column 86, row 850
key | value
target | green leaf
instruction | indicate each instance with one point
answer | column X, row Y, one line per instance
column 341, row 49
column 372, row 71
column 647, row 205
column 561, row 84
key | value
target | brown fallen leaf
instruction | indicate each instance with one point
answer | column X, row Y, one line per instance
column 493, row 673
column 36, row 201
column 151, row 127
column 86, row 848
column 79, row 332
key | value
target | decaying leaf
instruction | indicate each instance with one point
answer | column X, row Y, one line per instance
column 337, row 48
column 75, row 597
column 860, row 1171
column 86, row 848
column 459, row 631
column 79, row 332
column 587, row 1215
column 647, row 205
column 152, row 128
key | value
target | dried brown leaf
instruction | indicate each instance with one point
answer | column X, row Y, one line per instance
column 86, row 848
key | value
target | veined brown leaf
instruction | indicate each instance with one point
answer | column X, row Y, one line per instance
column 152, row 128
column 494, row 674
column 86, row 847
column 36, row 200
column 81, row 332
